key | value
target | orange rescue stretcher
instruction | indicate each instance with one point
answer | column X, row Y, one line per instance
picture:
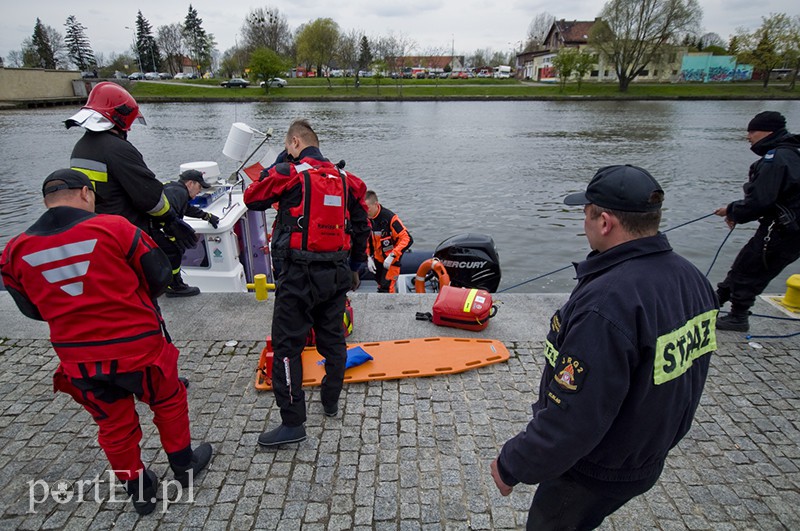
column 404, row 358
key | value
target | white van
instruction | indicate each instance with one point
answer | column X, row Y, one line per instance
column 502, row 72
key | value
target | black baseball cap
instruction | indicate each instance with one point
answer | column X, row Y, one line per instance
column 626, row 188
column 69, row 180
column 194, row 175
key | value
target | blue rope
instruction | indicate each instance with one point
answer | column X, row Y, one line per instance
column 718, row 251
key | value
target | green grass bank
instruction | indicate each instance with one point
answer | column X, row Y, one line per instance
column 371, row 89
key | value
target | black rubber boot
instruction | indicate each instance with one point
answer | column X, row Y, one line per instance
column 282, row 435
column 144, row 497
column 179, row 288
column 736, row 321
column 185, row 474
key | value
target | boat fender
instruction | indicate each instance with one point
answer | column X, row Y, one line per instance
column 425, row 267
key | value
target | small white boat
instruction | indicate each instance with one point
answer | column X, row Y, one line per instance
column 227, row 258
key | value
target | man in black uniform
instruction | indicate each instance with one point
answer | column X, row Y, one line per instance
column 179, row 193
column 120, row 176
column 626, row 359
column 771, row 196
column 320, row 235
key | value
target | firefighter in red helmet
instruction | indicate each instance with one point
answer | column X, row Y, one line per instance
column 120, row 176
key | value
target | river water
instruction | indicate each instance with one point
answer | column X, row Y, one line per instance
column 500, row 168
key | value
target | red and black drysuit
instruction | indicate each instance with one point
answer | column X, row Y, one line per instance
column 312, row 286
column 93, row 278
column 389, row 236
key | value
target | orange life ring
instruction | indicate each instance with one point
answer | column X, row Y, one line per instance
column 425, row 268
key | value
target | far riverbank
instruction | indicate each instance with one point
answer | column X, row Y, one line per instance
column 371, row 89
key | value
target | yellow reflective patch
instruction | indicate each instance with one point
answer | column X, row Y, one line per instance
column 470, row 300
column 550, row 353
column 96, row 176
column 676, row 350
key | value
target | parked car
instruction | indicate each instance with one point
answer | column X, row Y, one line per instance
column 164, row 75
column 235, row 82
column 136, row 76
column 191, row 76
column 181, row 75
column 151, row 76
column 89, row 74
column 274, row 82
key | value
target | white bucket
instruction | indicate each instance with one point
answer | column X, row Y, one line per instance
column 238, row 141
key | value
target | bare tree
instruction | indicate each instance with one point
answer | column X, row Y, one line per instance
column 348, row 50
column 633, row 32
column 266, row 27
column 538, row 30
column 14, row 59
column 170, row 41
column 710, row 39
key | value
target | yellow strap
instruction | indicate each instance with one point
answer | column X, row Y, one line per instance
column 470, row 299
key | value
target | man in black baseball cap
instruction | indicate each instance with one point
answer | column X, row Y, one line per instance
column 180, row 194
column 771, row 196
column 616, row 357
column 196, row 176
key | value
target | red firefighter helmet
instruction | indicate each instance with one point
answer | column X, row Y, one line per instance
column 114, row 103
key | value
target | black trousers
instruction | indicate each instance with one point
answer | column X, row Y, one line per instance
column 565, row 503
column 172, row 251
column 755, row 266
column 309, row 294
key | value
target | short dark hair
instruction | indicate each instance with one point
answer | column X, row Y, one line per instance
column 637, row 223
column 302, row 128
column 371, row 196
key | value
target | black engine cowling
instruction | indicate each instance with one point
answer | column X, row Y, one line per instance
column 471, row 261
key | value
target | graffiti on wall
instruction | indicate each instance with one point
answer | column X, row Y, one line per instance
column 707, row 68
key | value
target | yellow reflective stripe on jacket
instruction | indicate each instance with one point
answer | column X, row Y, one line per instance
column 470, row 300
column 161, row 207
column 550, row 353
column 96, row 171
column 676, row 350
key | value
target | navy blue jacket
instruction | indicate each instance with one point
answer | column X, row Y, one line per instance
column 626, row 361
column 774, row 179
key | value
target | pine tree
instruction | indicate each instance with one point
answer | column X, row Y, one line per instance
column 78, row 48
column 41, row 46
column 146, row 46
column 199, row 43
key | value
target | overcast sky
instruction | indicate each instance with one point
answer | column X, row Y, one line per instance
column 464, row 25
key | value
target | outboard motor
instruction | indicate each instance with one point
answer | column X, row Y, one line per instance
column 471, row 261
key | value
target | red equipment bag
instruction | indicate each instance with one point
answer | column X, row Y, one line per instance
column 465, row 308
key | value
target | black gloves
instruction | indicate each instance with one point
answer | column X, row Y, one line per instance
column 182, row 233
column 212, row 219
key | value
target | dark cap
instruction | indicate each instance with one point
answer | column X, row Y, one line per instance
column 767, row 121
column 70, row 180
column 626, row 188
column 194, row 175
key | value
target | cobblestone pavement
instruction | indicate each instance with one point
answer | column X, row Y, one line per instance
column 405, row 454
